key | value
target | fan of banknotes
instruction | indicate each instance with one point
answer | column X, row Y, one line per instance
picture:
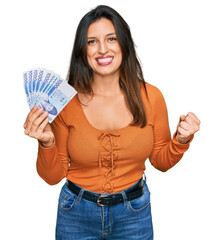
column 47, row 90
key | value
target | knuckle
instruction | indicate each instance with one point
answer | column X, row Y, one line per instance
column 35, row 123
column 40, row 128
column 30, row 133
column 189, row 119
column 37, row 136
column 29, row 120
column 190, row 114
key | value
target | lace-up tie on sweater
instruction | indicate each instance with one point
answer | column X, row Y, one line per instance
column 107, row 157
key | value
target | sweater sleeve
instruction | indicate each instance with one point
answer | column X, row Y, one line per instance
column 166, row 152
column 53, row 163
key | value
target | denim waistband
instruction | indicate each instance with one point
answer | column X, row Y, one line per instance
column 134, row 188
column 99, row 194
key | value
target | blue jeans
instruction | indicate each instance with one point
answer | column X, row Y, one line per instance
column 78, row 218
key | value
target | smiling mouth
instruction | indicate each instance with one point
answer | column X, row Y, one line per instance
column 104, row 61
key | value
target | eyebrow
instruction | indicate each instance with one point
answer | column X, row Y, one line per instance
column 109, row 34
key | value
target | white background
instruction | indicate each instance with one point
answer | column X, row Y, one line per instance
column 180, row 45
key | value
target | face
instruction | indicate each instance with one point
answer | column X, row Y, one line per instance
column 103, row 50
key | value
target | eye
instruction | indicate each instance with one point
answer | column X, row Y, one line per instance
column 112, row 39
column 91, row 42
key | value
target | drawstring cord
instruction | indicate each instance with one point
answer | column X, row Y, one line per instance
column 107, row 156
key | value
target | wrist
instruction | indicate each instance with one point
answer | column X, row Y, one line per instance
column 47, row 144
column 182, row 140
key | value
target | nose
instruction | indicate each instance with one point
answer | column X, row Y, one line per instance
column 102, row 48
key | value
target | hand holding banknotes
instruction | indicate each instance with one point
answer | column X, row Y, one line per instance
column 47, row 90
column 37, row 126
column 47, row 94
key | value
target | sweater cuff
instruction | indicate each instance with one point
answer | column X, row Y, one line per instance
column 45, row 153
column 46, row 156
column 181, row 146
column 45, row 148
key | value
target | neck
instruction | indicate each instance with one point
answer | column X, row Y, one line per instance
column 106, row 85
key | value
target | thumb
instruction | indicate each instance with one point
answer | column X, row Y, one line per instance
column 182, row 118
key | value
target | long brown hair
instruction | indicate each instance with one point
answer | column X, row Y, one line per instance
column 131, row 76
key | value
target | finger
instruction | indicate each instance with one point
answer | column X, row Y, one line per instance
column 38, row 121
column 183, row 133
column 182, row 117
column 39, row 134
column 190, row 120
column 32, row 118
column 194, row 117
column 43, row 125
column 34, row 109
column 184, row 125
column 195, row 125
column 188, row 127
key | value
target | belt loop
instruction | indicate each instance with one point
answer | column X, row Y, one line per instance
column 124, row 198
column 144, row 174
column 80, row 195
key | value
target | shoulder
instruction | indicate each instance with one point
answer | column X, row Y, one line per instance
column 69, row 112
column 154, row 102
column 151, row 89
column 69, row 107
column 153, row 93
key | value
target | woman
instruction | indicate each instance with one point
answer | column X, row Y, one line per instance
column 101, row 139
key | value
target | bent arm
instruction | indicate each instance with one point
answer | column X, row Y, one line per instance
column 166, row 151
column 53, row 163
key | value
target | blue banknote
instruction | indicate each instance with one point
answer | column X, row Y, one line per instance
column 48, row 90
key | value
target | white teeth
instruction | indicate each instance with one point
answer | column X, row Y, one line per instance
column 104, row 60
